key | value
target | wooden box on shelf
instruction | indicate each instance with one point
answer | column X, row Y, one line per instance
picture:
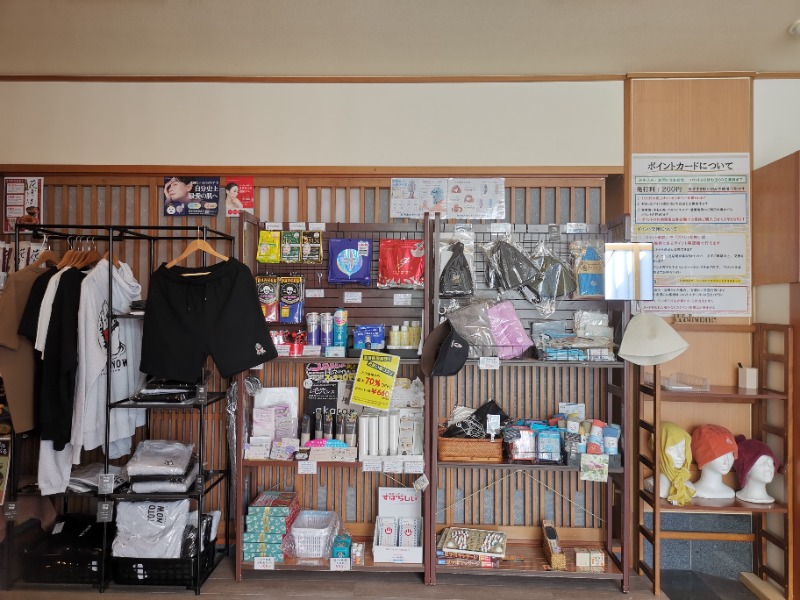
column 469, row 450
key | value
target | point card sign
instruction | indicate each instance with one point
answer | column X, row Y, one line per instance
column 375, row 378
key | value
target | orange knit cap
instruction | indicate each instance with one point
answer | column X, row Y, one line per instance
column 709, row 442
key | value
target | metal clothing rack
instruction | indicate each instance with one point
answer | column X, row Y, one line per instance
column 115, row 234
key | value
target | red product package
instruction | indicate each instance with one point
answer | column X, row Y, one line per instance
column 401, row 264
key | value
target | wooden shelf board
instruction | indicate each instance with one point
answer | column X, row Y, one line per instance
column 718, row 393
column 323, row 564
column 529, row 561
column 723, row 505
column 507, row 465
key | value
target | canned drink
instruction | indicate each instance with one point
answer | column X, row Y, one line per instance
column 312, row 329
column 340, row 327
column 326, row 329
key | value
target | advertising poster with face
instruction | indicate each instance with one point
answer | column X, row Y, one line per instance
column 23, row 201
column 239, row 196
column 191, row 196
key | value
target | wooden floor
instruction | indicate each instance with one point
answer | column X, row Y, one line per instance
column 349, row 586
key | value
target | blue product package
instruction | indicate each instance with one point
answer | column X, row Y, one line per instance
column 349, row 261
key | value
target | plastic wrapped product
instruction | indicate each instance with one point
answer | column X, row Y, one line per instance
column 269, row 247
column 150, row 529
column 472, row 323
column 290, row 298
column 510, row 337
column 267, row 287
column 557, row 279
column 349, row 261
column 457, row 257
column 588, row 267
column 311, row 247
column 401, row 264
column 160, row 457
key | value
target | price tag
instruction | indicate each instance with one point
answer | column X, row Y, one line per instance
column 307, row 467
column 500, row 227
column 105, row 511
column 372, row 465
column 334, row 351
column 493, row 425
column 257, row 452
column 315, row 293
column 340, row 564
column 414, row 466
column 576, row 228
column 489, row 363
column 312, row 350
column 316, row 226
column 105, row 483
column 402, row 299
column 299, row 226
column 393, row 465
column 264, row 563
column 202, row 393
column 352, row 297
column 273, row 226
column 10, row 511
column 553, row 232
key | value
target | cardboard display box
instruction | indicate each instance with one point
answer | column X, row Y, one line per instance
column 399, row 503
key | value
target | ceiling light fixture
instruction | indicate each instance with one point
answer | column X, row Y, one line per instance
column 794, row 28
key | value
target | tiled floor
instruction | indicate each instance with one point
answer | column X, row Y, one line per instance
column 349, row 586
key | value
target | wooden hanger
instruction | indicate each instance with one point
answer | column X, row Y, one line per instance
column 89, row 257
column 193, row 247
column 46, row 256
column 116, row 260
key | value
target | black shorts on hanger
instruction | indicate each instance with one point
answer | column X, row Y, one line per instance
column 189, row 317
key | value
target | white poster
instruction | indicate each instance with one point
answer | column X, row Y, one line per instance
column 23, row 201
column 453, row 198
column 695, row 208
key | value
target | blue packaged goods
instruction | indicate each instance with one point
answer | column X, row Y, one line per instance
column 259, row 537
column 374, row 333
column 349, row 261
column 290, row 299
column 277, row 504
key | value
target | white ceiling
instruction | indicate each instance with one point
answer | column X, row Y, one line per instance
column 413, row 38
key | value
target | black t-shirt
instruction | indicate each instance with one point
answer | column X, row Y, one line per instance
column 60, row 365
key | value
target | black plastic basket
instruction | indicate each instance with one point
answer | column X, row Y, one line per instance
column 163, row 571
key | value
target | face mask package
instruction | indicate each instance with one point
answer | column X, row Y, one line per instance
column 401, row 264
column 349, row 261
column 267, row 288
column 269, row 247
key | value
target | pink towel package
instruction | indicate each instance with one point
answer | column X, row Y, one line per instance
column 509, row 334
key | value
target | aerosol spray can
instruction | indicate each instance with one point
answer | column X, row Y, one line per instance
column 326, row 329
column 312, row 329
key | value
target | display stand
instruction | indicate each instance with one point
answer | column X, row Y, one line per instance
column 344, row 487
column 188, row 572
column 772, row 355
column 517, row 497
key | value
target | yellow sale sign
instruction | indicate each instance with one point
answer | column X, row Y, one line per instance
column 375, row 379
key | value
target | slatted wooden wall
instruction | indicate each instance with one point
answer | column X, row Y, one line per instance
column 136, row 200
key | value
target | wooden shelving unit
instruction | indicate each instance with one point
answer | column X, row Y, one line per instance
column 772, row 354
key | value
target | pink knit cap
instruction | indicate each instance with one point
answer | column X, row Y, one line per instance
column 749, row 453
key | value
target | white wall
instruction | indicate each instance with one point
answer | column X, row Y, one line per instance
column 313, row 124
column 776, row 119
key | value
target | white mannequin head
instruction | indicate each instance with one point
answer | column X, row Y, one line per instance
column 677, row 452
column 721, row 464
column 710, row 484
column 763, row 471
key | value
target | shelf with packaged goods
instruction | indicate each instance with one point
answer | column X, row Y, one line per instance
column 324, row 564
column 350, row 487
column 525, row 560
column 530, row 388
